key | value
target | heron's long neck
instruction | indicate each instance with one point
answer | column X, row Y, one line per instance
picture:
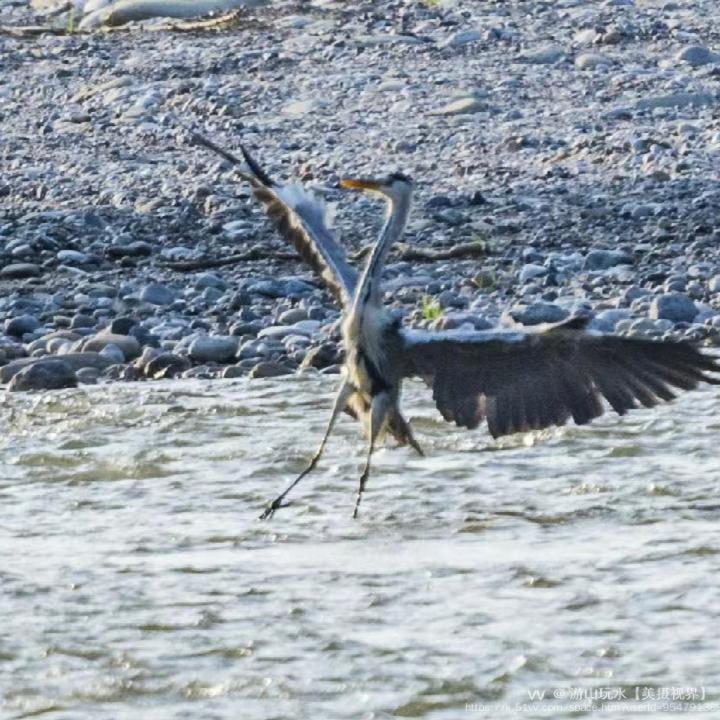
column 368, row 289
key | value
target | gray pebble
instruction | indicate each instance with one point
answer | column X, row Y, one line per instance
column 633, row 293
column 590, row 61
column 463, row 106
column 45, row 374
column 321, row 356
column 127, row 344
column 531, row 271
column 701, row 270
column 537, row 313
column 82, row 321
column 675, row 284
column 292, row 316
column 246, row 328
column 233, row 371
column 451, row 299
column 133, row 249
column 278, row 332
column 676, row 100
column 113, row 353
column 157, row 294
column 268, row 369
column 452, row 321
column 165, row 365
column 211, row 295
column 19, row 326
column 73, row 257
column 213, row 348
column 645, row 326
column 75, row 360
column 606, row 320
column 121, row 325
column 697, row 55
column 281, row 288
column 87, row 376
column 604, row 259
column 546, row 56
column 210, row 280
column 250, row 349
column 676, row 307
column 464, row 37
column 18, row 271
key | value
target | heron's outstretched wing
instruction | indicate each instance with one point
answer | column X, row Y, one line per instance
column 523, row 379
column 299, row 216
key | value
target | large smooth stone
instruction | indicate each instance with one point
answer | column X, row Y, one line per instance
column 221, row 348
column 47, row 374
column 75, row 360
column 127, row 343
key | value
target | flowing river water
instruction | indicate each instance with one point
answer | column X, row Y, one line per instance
column 137, row 581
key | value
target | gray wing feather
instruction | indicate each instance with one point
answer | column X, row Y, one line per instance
column 522, row 380
column 300, row 217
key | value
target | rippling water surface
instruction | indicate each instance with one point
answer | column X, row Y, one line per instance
column 138, row 583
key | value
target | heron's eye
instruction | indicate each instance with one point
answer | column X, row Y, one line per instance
column 398, row 177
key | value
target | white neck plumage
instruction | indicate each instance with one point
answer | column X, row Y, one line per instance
column 396, row 216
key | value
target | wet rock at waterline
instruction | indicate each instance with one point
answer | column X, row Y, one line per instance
column 43, row 375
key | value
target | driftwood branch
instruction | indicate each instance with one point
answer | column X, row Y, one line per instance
column 213, row 23
column 462, row 251
column 254, row 253
column 32, row 30
column 402, row 251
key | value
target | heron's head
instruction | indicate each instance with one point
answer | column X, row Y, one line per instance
column 395, row 186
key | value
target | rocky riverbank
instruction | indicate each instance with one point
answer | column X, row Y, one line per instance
column 579, row 142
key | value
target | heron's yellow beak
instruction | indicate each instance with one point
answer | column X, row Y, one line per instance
column 360, row 184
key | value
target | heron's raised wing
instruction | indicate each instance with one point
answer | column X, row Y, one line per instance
column 530, row 379
column 300, row 217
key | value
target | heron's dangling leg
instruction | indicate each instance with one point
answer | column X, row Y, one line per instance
column 402, row 431
column 346, row 390
column 414, row 443
column 378, row 415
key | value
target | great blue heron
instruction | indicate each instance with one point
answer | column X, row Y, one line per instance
column 515, row 379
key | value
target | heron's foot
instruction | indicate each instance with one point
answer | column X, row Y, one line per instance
column 276, row 504
column 356, row 509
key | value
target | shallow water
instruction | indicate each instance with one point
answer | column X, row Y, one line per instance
column 138, row 583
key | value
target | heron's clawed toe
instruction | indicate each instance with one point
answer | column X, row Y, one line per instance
column 269, row 511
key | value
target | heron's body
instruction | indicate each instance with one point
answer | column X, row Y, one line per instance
column 368, row 367
column 515, row 379
column 373, row 369
column 373, row 372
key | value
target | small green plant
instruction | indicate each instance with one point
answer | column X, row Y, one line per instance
column 70, row 26
column 482, row 243
column 431, row 309
column 485, row 280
